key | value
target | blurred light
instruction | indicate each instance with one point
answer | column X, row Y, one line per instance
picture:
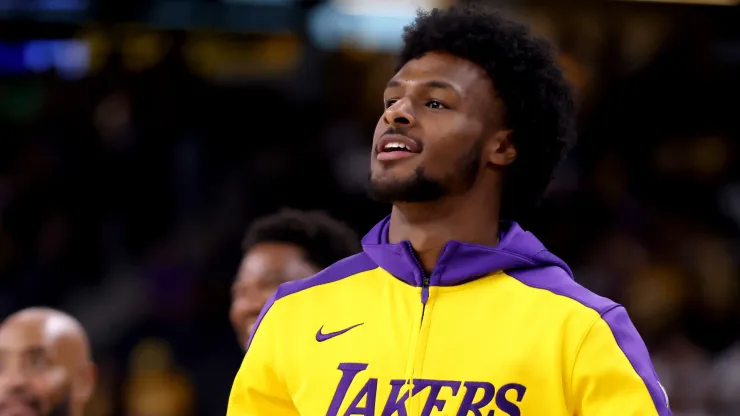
column 100, row 46
column 222, row 59
column 69, row 57
column 376, row 25
column 59, row 5
column 143, row 50
column 729, row 201
column 43, row 5
column 6, row 5
column 399, row 8
column 268, row 2
column 710, row 156
column 72, row 58
column 38, row 56
column 700, row 2
column 256, row 17
column 11, row 59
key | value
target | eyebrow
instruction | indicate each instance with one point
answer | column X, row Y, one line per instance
column 435, row 84
column 269, row 275
column 35, row 350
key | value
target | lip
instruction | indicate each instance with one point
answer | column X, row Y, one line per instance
column 413, row 145
column 17, row 407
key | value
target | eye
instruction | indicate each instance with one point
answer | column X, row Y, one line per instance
column 39, row 362
column 389, row 103
column 436, row 105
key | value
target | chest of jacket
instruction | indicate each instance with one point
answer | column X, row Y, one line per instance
column 478, row 348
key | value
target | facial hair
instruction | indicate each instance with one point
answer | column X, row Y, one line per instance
column 25, row 396
column 63, row 406
column 421, row 187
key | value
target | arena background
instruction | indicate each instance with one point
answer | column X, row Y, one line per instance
column 138, row 139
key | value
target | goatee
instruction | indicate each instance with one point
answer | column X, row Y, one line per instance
column 421, row 187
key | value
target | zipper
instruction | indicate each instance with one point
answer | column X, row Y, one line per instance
column 425, row 283
column 420, row 342
column 425, row 279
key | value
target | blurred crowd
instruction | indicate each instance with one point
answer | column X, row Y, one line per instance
column 124, row 197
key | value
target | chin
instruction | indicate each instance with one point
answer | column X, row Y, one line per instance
column 391, row 175
column 414, row 187
column 384, row 186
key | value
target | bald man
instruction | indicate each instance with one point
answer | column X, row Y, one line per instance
column 45, row 365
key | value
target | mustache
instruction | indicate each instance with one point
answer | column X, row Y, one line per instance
column 23, row 397
column 61, row 408
column 396, row 130
column 401, row 131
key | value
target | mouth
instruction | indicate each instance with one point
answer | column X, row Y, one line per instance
column 249, row 328
column 396, row 147
column 18, row 408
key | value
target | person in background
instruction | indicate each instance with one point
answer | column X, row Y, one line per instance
column 452, row 308
column 45, row 365
column 155, row 386
column 283, row 247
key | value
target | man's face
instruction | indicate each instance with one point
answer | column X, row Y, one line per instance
column 264, row 267
column 35, row 372
column 440, row 111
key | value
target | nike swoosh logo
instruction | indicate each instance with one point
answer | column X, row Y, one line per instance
column 323, row 337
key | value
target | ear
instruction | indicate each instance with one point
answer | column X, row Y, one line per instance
column 500, row 150
column 85, row 383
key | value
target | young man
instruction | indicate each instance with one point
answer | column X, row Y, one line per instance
column 450, row 310
column 45, row 365
column 283, row 247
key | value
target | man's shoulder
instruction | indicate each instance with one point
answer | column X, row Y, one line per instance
column 299, row 298
column 338, row 271
column 557, row 283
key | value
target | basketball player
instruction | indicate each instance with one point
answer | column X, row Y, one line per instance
column 452, row 308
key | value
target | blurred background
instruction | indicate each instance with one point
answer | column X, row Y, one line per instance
column 138, row 139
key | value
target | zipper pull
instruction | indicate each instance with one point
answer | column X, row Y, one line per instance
column 425, row 280
column 425, row 290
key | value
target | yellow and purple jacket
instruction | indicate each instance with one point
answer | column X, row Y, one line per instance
column 499, row 330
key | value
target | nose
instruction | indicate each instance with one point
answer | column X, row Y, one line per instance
column 253, row 307
column 400, row 114
column 12, row 378
column 247, row 308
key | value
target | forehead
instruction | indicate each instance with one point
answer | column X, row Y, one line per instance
column 272, row 260
column 464, row 75
column 21, row 335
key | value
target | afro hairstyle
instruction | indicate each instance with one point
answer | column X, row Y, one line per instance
column 324, row 239
column 539, row 104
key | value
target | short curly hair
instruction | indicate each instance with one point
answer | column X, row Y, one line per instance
column 324, row 239
column 539, row 105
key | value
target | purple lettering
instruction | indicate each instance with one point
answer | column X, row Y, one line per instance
column 396, row 402
column 472, row 388
column 349, row 372
column 504, row 404
column 368, row 391
column 478, row 395
column 435, row 386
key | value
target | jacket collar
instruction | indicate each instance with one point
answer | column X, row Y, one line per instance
column 459, row 262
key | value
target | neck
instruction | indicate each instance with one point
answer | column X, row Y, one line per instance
column 471, row 218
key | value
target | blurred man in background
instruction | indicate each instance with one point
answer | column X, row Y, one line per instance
column 45, row 365
column 283, row 247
